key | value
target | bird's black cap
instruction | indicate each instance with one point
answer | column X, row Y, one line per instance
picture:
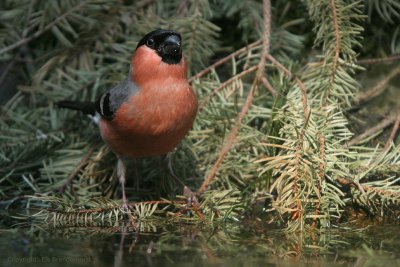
column 167, row 44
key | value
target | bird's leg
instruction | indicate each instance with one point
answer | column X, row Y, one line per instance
column 119, row 254
column 121, row 171
column 186, row 190
column 136, row 174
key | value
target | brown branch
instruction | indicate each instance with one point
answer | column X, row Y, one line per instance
column 224, row 84
column 348, row 182
column 365, row 61
column 366, row 188
column 368, row 61
column 296, row 170
column 393, row 133
column 223, row 60
column 269, row 87
column 381, row 192
column 229, row 140
column 24, row 41
column 382, row 125
column 297, row 214
column 337, row 50
column 321, row 176
column 378, row 88
column 81, row 164
column 299, row 149
column 322, row 163
column 261, row 66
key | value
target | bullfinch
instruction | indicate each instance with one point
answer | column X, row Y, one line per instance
column 152, row 109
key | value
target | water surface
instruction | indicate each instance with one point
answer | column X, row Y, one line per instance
column 196, row 245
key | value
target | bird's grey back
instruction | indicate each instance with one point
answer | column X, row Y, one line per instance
column 113, row 98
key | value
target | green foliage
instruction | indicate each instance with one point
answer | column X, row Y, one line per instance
column 388, row 10
column 290, row 161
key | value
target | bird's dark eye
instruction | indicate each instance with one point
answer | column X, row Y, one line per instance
column 150, row 42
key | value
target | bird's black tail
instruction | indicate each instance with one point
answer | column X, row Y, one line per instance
column 86, row 107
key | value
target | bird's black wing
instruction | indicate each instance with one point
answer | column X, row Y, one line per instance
column 86, row 107
column 107, row 104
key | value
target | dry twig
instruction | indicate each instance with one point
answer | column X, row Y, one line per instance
column 269, row 87
column 368, row 61
column 337, row 49
column 393, row 133
column 378, row 88
column 371, row 131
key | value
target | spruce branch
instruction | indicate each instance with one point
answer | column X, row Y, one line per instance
column 388, row 10
column 269, row 87
column 303, row 179
column 37, row 34
column 335, row 58
column 260, row 73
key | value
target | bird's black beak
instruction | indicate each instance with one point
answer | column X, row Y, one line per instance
column 171, row 46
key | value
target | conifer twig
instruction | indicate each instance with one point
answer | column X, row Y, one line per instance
column 393, row 133
column 108, row 208
column 81, row 164
column 224, row 84
column 363, row 188
column 223, row 60
column 269, row 87
column 378, row 88
column 321, row 176
column 382, row 192
column 260, row 72
column 335, row 60
column 337, row 50
column 290, row 75
column 42, row 31
column 10, row 64
column 368, row 61
column 382, row 125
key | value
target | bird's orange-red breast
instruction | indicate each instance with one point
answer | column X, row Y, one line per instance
column 160, row 110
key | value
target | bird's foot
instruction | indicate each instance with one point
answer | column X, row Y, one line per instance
column 125, row 206
column 190, row 196
column 192, row 202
